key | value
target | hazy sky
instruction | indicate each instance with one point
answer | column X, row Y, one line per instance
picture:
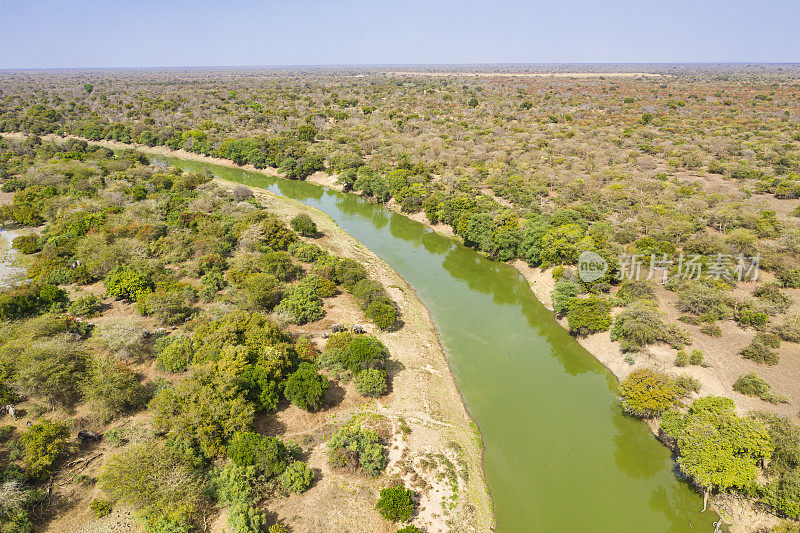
column 113, row 33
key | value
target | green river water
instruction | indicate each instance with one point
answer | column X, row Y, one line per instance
column 559, row 455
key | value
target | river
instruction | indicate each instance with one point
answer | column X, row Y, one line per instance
column 559, row 454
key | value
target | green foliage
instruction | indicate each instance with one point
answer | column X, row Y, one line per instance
column 262, row 291
column 301, row 303
column 233, row 484
column 115, row 388
column 303, row 225
column 205, row 409
column 759, row 351
column 396, row 504
column 306, row 388
column 646, row 393
column 718, row 449
column 276, row 235
column 100, row 507
column 42, row 444
column 297, row 477
column 268, row 455
column 641, row 324
column 27, row 244
column 354, row 447
column 31, row 299
column 243, row 518
column 752, row 385
column 87, row 306
column 53, row 368
column 371, row 382
column 588, row 315
column 790, row 329
column 562, row 295
column 701, row 299
column 155, row 480
column 176, row 355
column 126, row 283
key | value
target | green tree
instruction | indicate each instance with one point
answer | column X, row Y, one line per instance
column 42, row 445
column 396, row 504
column 303, row 225
column 306, row 388
column 297, row 477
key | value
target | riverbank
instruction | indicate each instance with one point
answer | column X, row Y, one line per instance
column 542, row 281
column 425, row 408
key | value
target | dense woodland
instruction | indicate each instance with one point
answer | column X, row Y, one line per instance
column 700, row 161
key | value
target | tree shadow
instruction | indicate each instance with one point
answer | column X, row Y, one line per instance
column 334, row 396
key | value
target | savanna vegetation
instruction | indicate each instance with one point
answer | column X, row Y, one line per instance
column 157, row 296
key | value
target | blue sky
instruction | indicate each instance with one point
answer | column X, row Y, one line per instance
column 146, row 33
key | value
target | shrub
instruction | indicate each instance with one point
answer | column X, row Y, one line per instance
column 699, row 299
column 27, row 244
column 54, row 368
column 243, row 518
column 759, row 352
column 646, row 393
column 276, row 235
column 125, row 282
column 42, row 444
column 790, row 329
column 410, row 529
column 697, row 357
column 640, row 325
column 371, row 382
column 267, row 454
column 87, row 306
column 262, row 291
column 355, row 447
column 115, row 387
column 562, row 295
column 710, row 329
column 303, row 225
column 186, row 411
column 747, row 315
column 297, row 477
column 752, row 385
column 365, row 352
column 100, row 508
column 588, row 315
column 306, row 349
column 241, row 193
column 277, row 528
column 176, row 356
column 396, row 504
column 302, row 304
column 384, row 315
column 681, row 358
column 155, row 480
column 306, row 388
column 633, row 290
column 233, row 484
column 167, row 306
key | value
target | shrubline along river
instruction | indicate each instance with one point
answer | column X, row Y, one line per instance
column 559, row 454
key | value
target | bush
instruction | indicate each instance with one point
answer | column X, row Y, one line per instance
column 752, row 385
column 384, row 315
column 681, row 358
column 396, row 504
column 155, row 480
column 633, row 290
column 562, row 295
column 243, row 518
column 646, row 393
column 760, row 352
column 87, row 306
column 354, row 447
column 790, row 329
column 267, row 454
column 167, row 306
column 371, row 382
column 699, row 299
column 297, row 477
column 641, row 324
column 125, row 282
column 697, row 358
column 710, row 329
column 306, row 388
column 100, row 508
column 27, row 244
column 176, row 356
column 303, row 225
column 115, row 387
column 588, row 315
column 365, row 352
column 302, row 304
column 262, row 291
column 42, row 444
column 276, row 235
column 307, row 253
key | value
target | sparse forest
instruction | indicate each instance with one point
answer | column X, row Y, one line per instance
column 685, row 182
